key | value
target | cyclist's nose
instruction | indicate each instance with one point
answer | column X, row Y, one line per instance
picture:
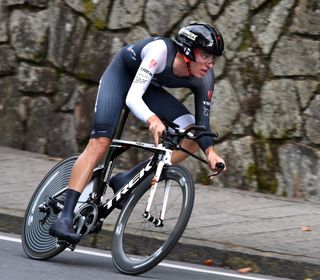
column 210, row 63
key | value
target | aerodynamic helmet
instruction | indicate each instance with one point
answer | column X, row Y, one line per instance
column 199, row 35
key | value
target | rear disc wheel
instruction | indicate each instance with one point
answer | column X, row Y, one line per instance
column 36, row 240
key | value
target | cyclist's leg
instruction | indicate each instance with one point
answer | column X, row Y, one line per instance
column 110, row 101
column 165, row 105
column 189, row 145
column 87, row 161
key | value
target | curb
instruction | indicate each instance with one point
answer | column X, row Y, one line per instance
column 268, row 263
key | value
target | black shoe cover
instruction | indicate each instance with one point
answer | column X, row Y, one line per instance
column 63, row 230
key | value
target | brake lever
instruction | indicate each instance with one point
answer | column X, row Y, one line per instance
column 219, row 167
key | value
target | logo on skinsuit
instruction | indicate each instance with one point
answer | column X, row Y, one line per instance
column 133, row 53
column 152, row 63
column 210, row 93
column 145, row 70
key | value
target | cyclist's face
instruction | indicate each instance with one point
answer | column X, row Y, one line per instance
column 204, row 62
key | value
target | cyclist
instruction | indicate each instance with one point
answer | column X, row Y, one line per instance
column 136, row 77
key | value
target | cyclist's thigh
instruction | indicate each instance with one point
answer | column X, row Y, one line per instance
column 113, row 88
column 165, row 105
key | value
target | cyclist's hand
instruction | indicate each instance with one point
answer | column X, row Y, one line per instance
column 213, row 159
column 156, row 128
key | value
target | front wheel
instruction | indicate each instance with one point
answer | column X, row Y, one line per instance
column 139, row 244
column 36, row 240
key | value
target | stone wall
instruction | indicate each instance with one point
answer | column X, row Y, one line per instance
column 266, row 99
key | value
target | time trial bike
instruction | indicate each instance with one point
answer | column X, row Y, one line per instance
column 158, row 204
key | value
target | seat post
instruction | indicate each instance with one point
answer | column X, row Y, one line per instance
column 122, row 122
column 110, row 154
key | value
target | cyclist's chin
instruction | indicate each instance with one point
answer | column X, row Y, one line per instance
column 199, row 74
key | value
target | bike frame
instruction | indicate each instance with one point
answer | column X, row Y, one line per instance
column 155, row 166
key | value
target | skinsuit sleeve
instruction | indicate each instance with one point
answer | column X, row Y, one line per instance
column 202, row 94
column 154, row 56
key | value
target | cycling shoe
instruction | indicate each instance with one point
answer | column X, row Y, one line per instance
column 63, row 229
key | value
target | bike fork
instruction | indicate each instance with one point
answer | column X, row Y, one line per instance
column 155, row 180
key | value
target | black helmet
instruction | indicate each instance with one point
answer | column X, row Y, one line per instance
column 199, row 35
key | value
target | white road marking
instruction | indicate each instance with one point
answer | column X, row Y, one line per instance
column 8, row 238
column 164, row 264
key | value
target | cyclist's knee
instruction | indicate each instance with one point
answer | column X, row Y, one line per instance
column 190, row 145
column 98, row 146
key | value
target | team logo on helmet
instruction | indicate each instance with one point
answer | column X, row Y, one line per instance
column 188, row 34
column 187, row 50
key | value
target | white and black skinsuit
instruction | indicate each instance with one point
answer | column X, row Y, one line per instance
column 136, row 77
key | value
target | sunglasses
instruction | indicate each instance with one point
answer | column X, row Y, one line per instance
column 204, row 57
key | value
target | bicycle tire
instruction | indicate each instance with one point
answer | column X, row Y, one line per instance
column 133, row 251
column 36, row 240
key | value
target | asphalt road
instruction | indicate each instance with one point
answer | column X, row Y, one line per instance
column 87, row 263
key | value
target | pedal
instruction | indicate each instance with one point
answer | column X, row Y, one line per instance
column 71, row 246
column 44, row 208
